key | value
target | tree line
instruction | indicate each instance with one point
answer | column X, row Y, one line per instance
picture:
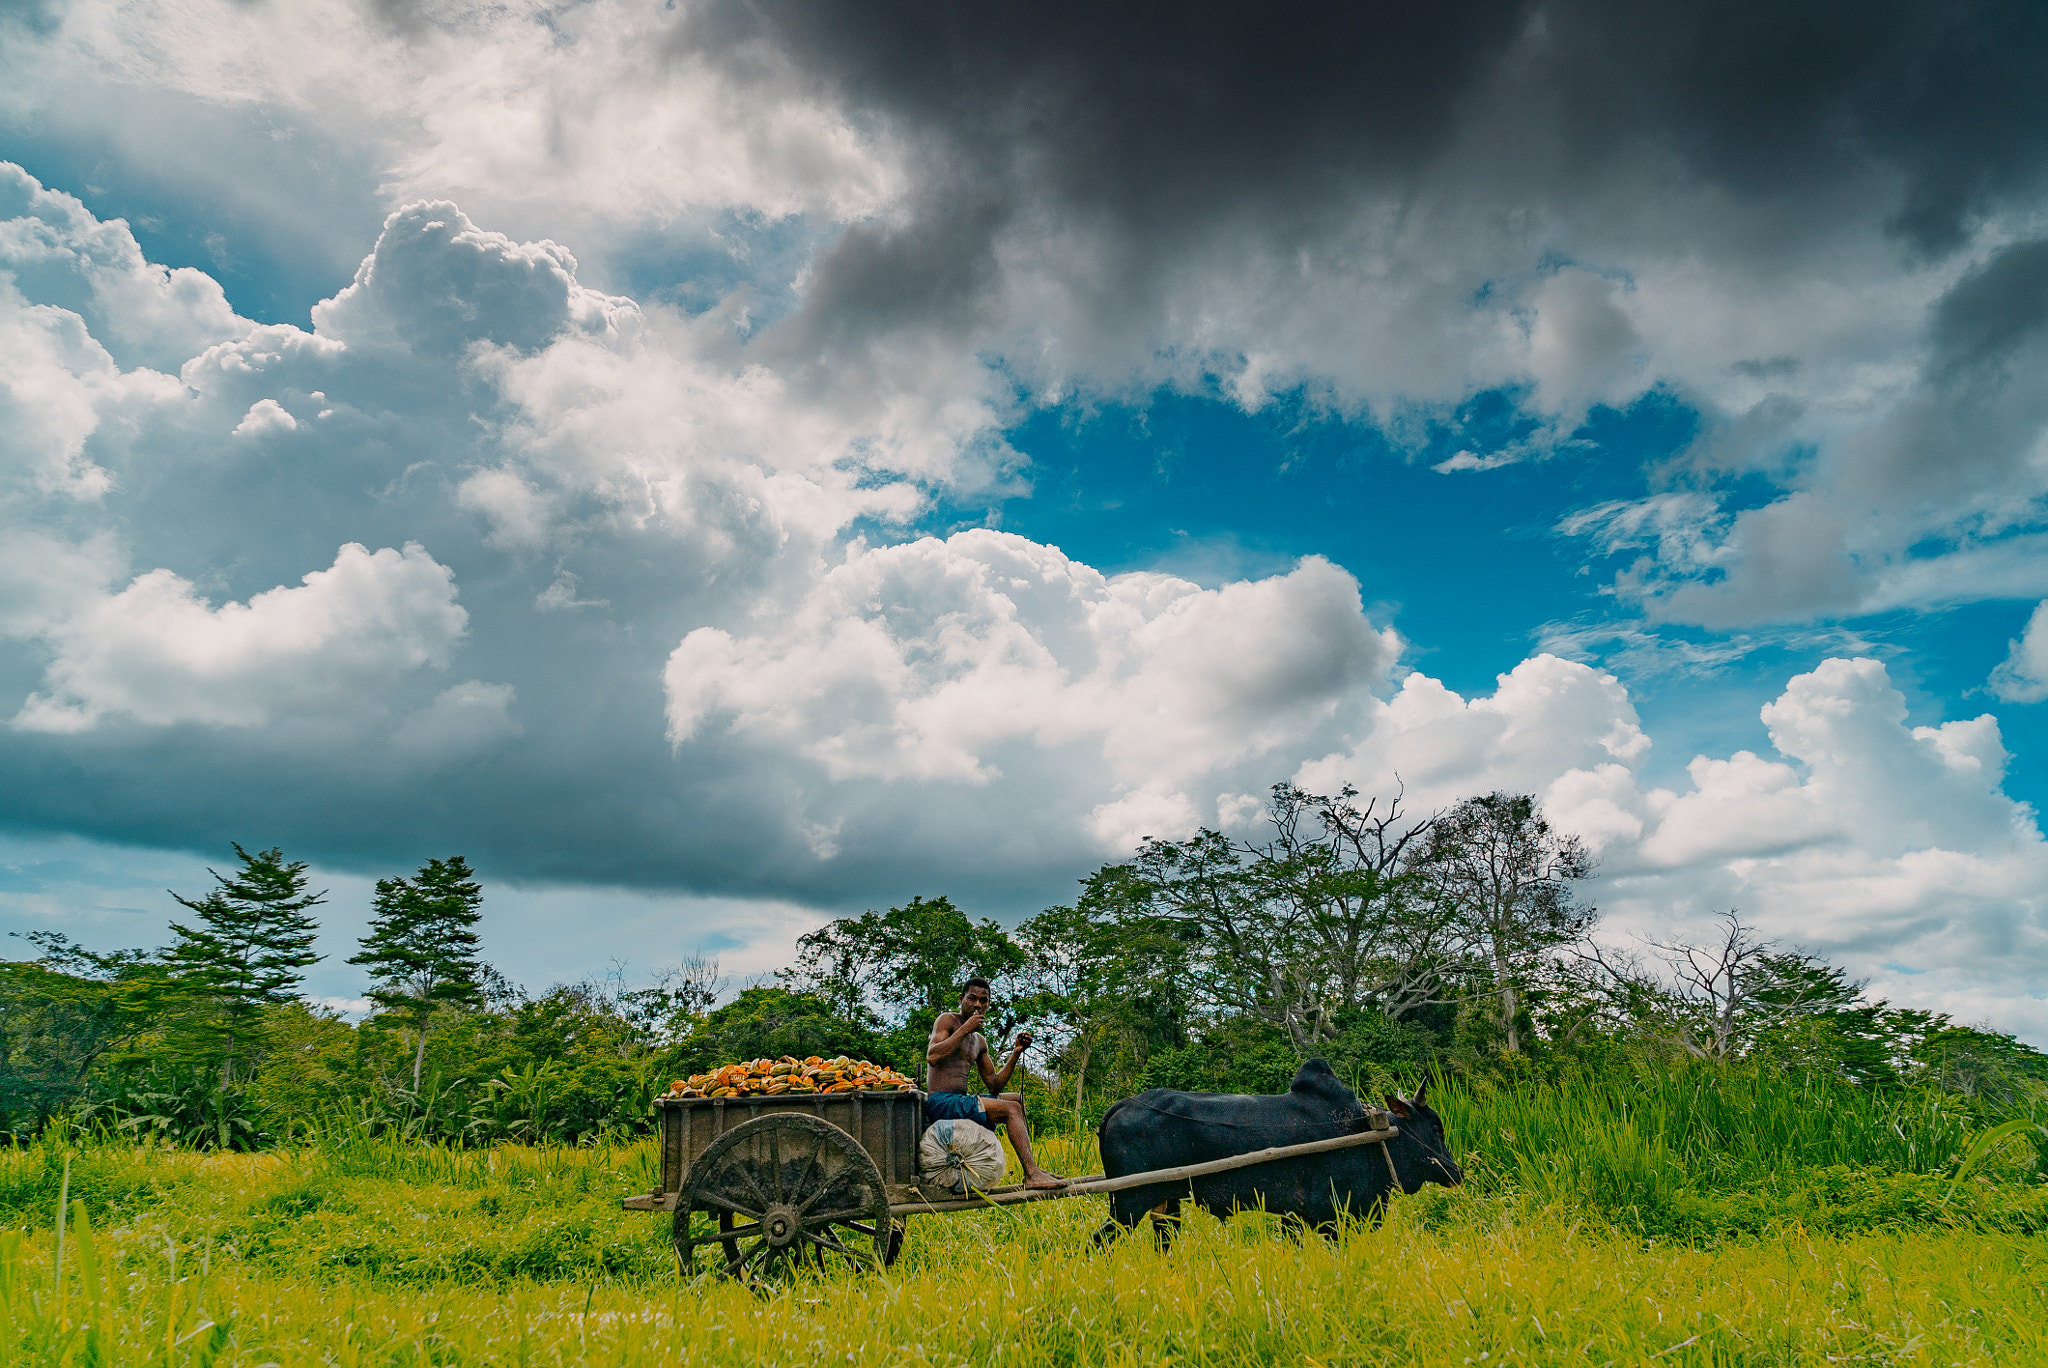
column 1385, row 941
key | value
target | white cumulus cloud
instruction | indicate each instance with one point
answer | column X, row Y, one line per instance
column 2022, row 677
column 159, row 653
column 921, row 661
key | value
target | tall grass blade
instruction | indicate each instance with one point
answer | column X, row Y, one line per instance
column 1981, row 1147
column 63, row 1197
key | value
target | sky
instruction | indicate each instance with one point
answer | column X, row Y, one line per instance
column 721, row 467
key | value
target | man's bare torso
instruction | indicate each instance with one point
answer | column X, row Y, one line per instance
column 955, row 1073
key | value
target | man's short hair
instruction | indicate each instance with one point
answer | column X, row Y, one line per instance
column 976, row 982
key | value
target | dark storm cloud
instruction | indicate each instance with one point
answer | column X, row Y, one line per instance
column 1158, row 126
column 1994, row 309
column 1152, row 112
column 1969, row 428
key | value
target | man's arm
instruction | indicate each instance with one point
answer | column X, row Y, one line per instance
column 949, row 1033
column 995, row 1078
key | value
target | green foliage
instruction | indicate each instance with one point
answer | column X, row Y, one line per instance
column 1240, row 1056
column 896, row 971
column 1704, row 1148
column 906, row 963
column 1328, row 916
column 252, row 940
column 1503, row 880
column 177, row 1105
column 61, row 1017
column 1110, row 986
column 771, row 1022
column 312, row 1060
column 421, row 949
column 1371, row 1051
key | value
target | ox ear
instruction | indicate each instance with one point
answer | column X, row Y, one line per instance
column 1421, row 1089
column 1398, row 1107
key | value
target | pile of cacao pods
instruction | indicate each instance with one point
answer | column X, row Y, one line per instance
column 774, row 1077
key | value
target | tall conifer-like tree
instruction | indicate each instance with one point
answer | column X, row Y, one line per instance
column 421, row 950
column 252, row 941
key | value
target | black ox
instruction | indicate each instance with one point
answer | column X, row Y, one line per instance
column 1166, row 1129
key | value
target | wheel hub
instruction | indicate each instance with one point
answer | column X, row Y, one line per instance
column 781, row 1224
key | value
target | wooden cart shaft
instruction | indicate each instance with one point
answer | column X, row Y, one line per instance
column 690, row 1124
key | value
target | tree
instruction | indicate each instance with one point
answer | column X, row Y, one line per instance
column 905, row 965
column 771, row 1022
column 674, row 1004
column 1982, row 1063
column 1324, row 919
column 63, row 1014
column 421, row 950
column 1504, row 879
column 254, row 937
column 1107, row 994
column 1715, row 999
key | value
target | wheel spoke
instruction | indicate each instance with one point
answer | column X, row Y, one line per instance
column 828, row 1241
column 736, row 1267
column 747, row 1176
column 811, row 1170
column 706, row 1197
column 830, row 1186
column 823, row 1188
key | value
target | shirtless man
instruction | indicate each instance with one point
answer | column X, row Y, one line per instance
column 956, row 1043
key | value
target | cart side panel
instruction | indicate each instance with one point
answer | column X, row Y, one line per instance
column 679, row 1142
column 887, row 1125
column 905, row 1124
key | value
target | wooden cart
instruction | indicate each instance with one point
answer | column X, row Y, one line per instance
column 790, row 1180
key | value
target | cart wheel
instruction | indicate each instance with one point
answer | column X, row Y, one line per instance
column 789, row 1190
column 891, row 1250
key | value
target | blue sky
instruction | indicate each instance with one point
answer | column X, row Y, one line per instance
column 1167, row 486
column 720, row 469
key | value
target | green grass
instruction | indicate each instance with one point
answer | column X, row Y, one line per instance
column 1604, row 1227
column 1704, row 1151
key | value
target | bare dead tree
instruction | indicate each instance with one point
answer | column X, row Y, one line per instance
column 1714, row 984
column 671, row 1005
column 1713, row 998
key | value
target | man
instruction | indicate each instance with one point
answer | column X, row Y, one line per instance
column 956, row 1044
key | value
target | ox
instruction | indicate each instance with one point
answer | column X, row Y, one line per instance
column 1162, row 1129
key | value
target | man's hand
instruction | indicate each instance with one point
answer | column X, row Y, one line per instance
column 972, row 1024
column 1022, row 1044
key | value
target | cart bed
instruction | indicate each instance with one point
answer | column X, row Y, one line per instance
column 887, row 1125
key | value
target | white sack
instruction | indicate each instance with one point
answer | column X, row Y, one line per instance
column 956, row 1154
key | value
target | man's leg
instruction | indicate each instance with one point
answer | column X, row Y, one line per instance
column 1010, row 1116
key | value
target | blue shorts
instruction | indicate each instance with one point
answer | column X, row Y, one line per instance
column 955, row 1107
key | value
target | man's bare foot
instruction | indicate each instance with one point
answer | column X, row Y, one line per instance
column 1045, row 1181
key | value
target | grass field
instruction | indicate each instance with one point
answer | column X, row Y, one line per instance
column 362, row 1253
